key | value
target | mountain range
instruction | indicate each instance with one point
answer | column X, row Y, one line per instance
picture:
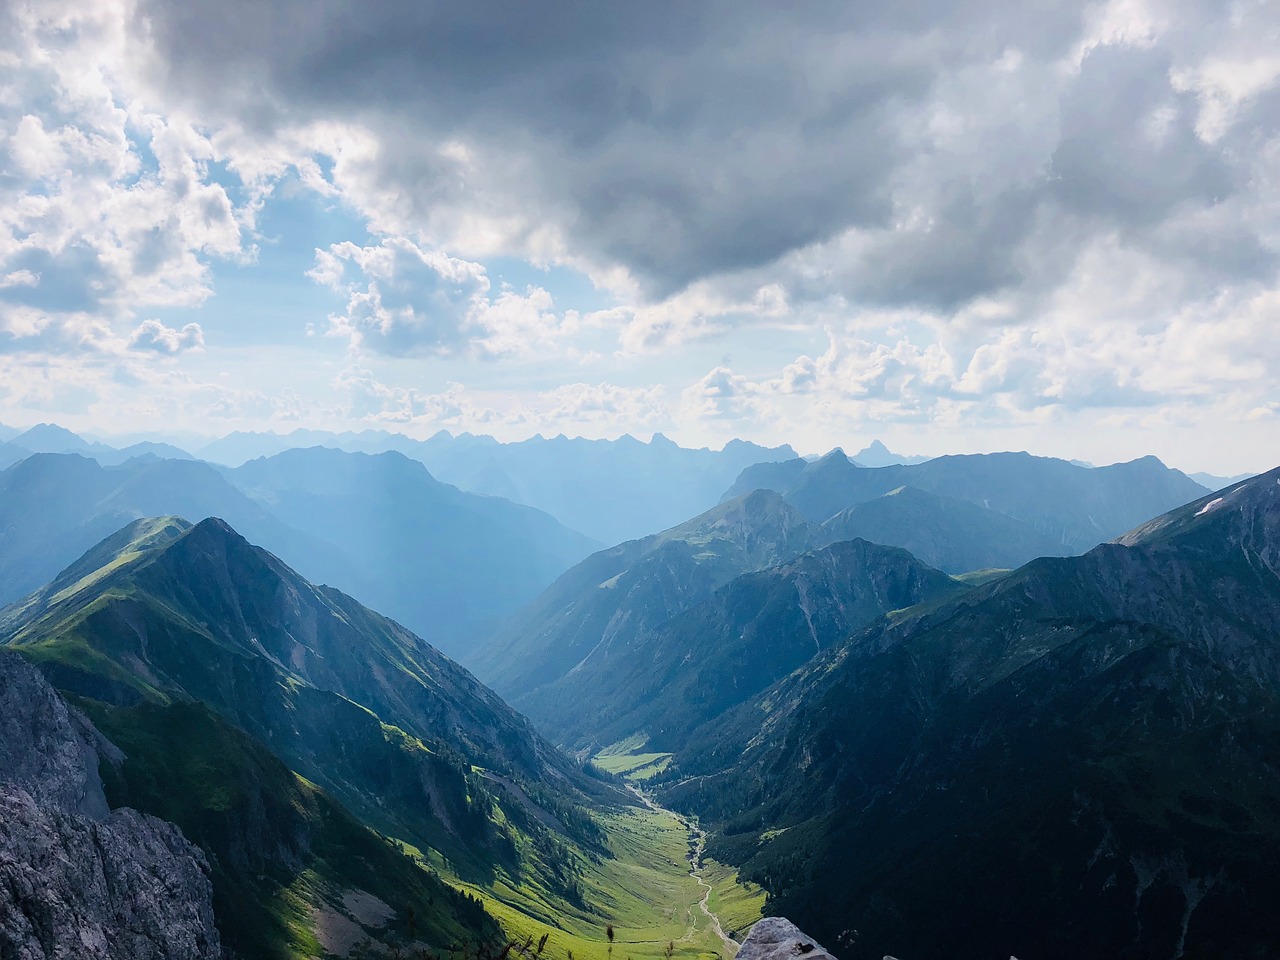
column 617, row 595
column 966, row 706
column 599, row 658
column 665, row 682
column 1075, row 507
column 445, row 562
column 1076, row 759
column 579, row 482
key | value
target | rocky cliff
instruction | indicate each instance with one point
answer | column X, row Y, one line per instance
column 78, row 880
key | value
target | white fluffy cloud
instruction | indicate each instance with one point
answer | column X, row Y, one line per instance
column 404, row 300
column 154, row 336
column 107, row 206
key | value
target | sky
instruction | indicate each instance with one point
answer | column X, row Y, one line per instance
column 956, row 226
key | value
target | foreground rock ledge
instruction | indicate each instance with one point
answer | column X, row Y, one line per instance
column 79, row 881
column 777, row 938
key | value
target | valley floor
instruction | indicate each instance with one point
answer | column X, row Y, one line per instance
column 657, row 892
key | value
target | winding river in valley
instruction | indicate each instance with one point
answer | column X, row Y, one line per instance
column 697, row 844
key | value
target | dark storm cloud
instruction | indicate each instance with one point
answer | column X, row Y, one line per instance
column 1129, row 149
column 684, row 140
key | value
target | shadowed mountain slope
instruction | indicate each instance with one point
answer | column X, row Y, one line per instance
column 617, row 595
column 757, row 628
column 1078, row 759
column 953, row 535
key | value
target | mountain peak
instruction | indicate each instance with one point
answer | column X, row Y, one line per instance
column 51, row 438
column 750, row 509
column 214, row 527
column 876, row 454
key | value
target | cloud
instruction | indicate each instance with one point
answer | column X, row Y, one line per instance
column 369, row 399
column 152, row 335
column 683, row 144
column 600, row 406
column 404, row 300
column 724, row 395
column 600, row 409
column 998, row 212
column 105, row 206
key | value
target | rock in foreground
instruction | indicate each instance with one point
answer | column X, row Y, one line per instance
column 777, row 938
column 75, row 880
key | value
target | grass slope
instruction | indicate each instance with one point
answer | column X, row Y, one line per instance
column 643, row 889
column 280, row 849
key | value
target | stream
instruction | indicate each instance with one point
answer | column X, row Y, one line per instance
column 698, row 840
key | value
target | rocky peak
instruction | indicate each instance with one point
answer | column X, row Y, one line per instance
column 44, row 749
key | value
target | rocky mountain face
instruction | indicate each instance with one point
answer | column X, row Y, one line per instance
column 76, row 879
column 777, row 938
column 618, row 595
column 170, row 627
column 757, row 628
column 1072, row 506
column 1078, row 759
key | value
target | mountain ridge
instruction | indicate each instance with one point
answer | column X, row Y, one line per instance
column 637, row 585
column 1075, row 506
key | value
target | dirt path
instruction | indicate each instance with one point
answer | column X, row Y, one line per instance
column 698, row 838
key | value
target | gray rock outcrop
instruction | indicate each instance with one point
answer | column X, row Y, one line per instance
column 777, row 938
column 78, row 880
column 45, row 748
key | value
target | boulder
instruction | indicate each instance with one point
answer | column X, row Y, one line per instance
column 777, row 938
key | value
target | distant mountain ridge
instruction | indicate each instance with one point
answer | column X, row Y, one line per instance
column 579, row 482
column 445, row 562
column 51, row 438
column 371, row 525
column 876, row 454
column 1092, row 736
column 1073, row 506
